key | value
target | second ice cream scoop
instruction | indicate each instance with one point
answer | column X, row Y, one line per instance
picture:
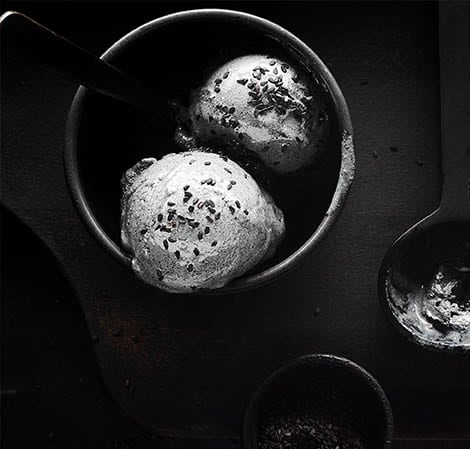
column 265, row 105
column 196, row 220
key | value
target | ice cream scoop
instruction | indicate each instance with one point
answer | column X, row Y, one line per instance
column 265, row 105
column 196, row 220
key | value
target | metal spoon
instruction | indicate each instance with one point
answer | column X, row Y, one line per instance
column 28, row 41
column 435, row 252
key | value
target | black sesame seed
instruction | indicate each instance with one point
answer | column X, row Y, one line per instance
column 298, row 139
column 218, row 81
column 195, row 201
column 214, row 243
column 232, row 209
column 238, row 204
column 186, row 187
column 227, row 170
column 284, row 68
column 200, row 235
column 216, row 90
column 229, row 187
column 231, row 110
column 226, row 74
column 272, row 62
column 165, row 243
column 207, row 163
column 172, row 239
column 191, row 208
column 240, row 136
column 217, row 215
column 190, row 267
column 143, row 231
column 177, row 254
column 170, row 203
column 242, row 81
column 196, row 251
column 211, row 210
column 245, row 212
column 160, row 217
column 206, row 230
column 209, row 219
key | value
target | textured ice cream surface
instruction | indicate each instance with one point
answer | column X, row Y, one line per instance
column 196, row 220
column 438, row 311
column 266, row 105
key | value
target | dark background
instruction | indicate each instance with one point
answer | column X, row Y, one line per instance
column 61, row 388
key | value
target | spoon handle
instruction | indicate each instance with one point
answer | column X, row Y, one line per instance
column 454, row 50
column 28, row 41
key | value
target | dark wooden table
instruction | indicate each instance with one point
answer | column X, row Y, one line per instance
column 185, row 366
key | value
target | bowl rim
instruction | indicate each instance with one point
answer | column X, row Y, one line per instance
column 312, row 360
column 346, row 171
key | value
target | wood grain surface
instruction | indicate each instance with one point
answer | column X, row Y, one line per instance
column 193, row 362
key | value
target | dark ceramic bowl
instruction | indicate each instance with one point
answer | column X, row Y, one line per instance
column 104, row 137
column 328, row 389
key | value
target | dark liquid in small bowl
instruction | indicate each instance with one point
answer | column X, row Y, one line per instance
column 113, row 137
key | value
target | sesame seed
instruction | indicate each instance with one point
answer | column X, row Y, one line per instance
column 186, row 187
column 233, row 182
column 160, row 217
column 211, row 210
column 218, row 81
column 206, row 230
column 196, row 251
column 226, row 74
column 177, row 254
column 216, row 90
column 207, row 163
column 214, row 243
column 143, row 231
column 272, row 62
column 217, row 215
column 232, row 209
column 283, row 68
column 172, row 239
column 227, row 170
column 190, row 267
column 229, row 187
column 242, row 81
column 231, row 110
column 191, row 208
column 209, row 219
column 165, row 243
column 238, row 204
column 170, row 203
column 200, row 235
column 245, row 212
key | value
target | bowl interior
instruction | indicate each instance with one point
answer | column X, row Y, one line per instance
column 327, row 389
column 113, row 137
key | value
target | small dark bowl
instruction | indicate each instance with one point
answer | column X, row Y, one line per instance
column 332, row 386
column 104, row 137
